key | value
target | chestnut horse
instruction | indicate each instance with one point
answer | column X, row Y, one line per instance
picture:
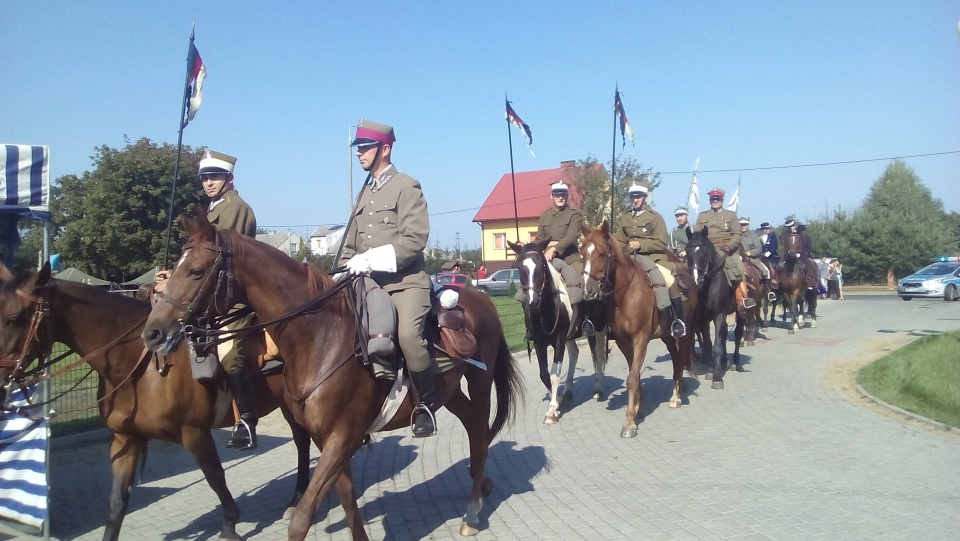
column 632, row 315
column 137, row 401
column 332, row 394
column 793, row 283
column 549, row 322
column 717, row 299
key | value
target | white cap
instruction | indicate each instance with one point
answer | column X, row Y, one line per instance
column 216, row 162
column 559, row 186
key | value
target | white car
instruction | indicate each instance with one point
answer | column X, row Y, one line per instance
column 941, row 279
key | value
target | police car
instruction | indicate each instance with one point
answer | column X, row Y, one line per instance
column 941, row 279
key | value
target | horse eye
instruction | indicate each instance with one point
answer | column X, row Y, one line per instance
column 195, row 272
column 13, row 321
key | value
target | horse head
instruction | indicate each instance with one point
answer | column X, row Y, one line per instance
column 598, row 251
column 793, row 245
column 701, row 255
column 533, row 270
column 200, row 287
column 24, row 304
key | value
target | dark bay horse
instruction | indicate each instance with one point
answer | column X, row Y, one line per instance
column 756, row 292
column 793, row 283
column 137, row 402
column 326, row 385
column 716, row 300
column 549, row 320
column 632, row 315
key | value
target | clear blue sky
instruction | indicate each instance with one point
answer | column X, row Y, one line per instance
column 741, row 84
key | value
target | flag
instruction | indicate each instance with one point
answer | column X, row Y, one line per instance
column 693, row 201
column 196, row 73
column 625, row 129
column 514, row 119
column 735, row 200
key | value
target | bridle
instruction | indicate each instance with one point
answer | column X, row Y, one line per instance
column 18, row 365
column 711, row 271
column 604, row 284
column 540, row 289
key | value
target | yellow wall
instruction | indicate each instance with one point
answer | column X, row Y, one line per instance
column 528, row 226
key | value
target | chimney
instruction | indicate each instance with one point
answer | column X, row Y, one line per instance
column 568, row 163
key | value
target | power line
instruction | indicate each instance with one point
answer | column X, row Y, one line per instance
column 810, row 164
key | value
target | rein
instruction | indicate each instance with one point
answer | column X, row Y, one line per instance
column 553, row 295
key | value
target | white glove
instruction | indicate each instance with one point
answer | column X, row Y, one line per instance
column 766, row 254
column 358, row 264
column 380, row 259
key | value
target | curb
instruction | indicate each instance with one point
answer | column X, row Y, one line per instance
column 910, row 414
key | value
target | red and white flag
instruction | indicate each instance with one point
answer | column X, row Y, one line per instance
column 625, row 129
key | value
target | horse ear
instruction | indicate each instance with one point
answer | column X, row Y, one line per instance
column 44, row 275
column 5, row 274
column 515, row 246
column 703, row 232
column 605, row 228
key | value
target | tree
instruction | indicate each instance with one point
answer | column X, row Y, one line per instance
column 112, row 222
column 593, row 184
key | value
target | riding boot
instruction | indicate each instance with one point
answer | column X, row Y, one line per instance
column 678, row 328
column 244, row 434
column 743, row 297
column 424, row 422
column 528, row 336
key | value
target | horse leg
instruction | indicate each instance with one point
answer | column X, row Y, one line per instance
column 473, row 413
column 812, row 302
column 348, row 501
column 125, row 453
column 301, row 438
column 598, row 351
column 334, row 458
column 573, row 355
column 719, row 349
column 706, row 345
column 201, row 445
column 635, row 351
column 552, row 416
column 678, row 363
column 738, row 333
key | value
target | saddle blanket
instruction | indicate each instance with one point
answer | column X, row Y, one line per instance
column 561, row 288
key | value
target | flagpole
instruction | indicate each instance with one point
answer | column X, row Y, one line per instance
column 513, row 177
column 176, row 166
column 613, row 160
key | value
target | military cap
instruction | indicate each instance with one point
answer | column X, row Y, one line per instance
column 559, row 186
column 790, row 223
column 216, row 163
column 716, row 192
column 639, row 188
column 744, row 221
column 681, row 211
column 764, row 225
column 372, row 133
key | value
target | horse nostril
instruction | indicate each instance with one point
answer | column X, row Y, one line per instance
column 153, row 336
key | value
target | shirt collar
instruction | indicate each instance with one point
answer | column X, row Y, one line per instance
column 384, row 176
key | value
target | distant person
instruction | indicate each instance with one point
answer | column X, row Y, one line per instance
column 833, row 282
column 678, row 235
column 481, row 272
column 823, row 266
column 768, row 243
column 724, row 233
column 754, row 249
column 227, row 211
column 807, row 264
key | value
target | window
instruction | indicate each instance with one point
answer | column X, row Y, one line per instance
column 293, row 247
column 533, row 236
column 500, row 241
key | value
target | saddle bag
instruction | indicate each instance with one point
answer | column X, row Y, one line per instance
column 379, row 318
column 204, row 363
column 457, row 340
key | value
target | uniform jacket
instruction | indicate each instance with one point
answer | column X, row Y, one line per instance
column 751, row 244
column 647, row 227
column 394, row 214
column 723, row 226
column 679, row 239
column 234, row 213
column 769, row 244
column 564, row 227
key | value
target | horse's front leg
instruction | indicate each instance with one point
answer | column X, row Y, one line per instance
column 635, row 350
column 125, row 453
column 553, row 411
column 573, row 355
column 812, row 303
column 204, row 450
column 598, row 351
column 301, row 438
column 738, row 333
column 334, row 458
column 719, row 349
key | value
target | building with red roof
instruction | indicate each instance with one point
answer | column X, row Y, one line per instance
column 497, row 219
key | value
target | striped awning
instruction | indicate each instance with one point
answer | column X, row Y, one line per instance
column 25, row 180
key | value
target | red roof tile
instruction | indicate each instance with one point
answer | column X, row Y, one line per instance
column 533, row 193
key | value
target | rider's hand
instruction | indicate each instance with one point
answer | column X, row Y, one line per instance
column 634, row 244
column 549, row 253
column 766, row 254
column 358, row 264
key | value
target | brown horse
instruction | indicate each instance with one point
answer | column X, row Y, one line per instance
column 632, row 315
column 793, row 283
column 755, row 292
column 137, row 401
column 330, row 390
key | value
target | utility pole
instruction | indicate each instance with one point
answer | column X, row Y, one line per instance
column 457, row 245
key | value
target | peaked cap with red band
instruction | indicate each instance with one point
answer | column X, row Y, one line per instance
column 372, row 133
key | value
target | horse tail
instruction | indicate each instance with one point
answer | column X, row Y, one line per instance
column 509, row 384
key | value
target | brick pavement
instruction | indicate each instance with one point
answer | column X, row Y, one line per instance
column 778, row 454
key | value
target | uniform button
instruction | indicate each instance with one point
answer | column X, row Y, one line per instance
column 369, row 225
column 369, row 237
column 370, row 213
column 371, row 202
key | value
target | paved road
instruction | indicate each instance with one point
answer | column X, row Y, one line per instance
column 784, row 452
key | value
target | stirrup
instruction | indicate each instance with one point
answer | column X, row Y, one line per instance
column 587, row 328
column 242, row 441
column 678, row 328
column 771, row 296
column 414, row 417
column 745, row 301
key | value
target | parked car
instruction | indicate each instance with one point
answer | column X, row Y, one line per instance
column 451, row 279
column 942, row 279
column 499, row 282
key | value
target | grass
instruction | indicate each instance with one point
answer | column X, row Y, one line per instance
column 511, row 316
column 920, row 377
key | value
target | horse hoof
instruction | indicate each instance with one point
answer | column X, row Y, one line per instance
column 598, row 396
column 468, row 530
column 232, row 535
column 791, row 331
column 716, row 385
column 739, row 368
column 813, row 324
column 628, row 432
column 551, row 419
column 674, row 403
column 288, row 513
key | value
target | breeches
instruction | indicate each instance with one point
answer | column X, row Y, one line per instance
column 413, row 305
column 760, row 267
column 570, row 272
column 235, row 353
column 732, row 266
column 660, row 290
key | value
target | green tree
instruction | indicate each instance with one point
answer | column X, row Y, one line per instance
column 593, row 184
column 112, row 222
